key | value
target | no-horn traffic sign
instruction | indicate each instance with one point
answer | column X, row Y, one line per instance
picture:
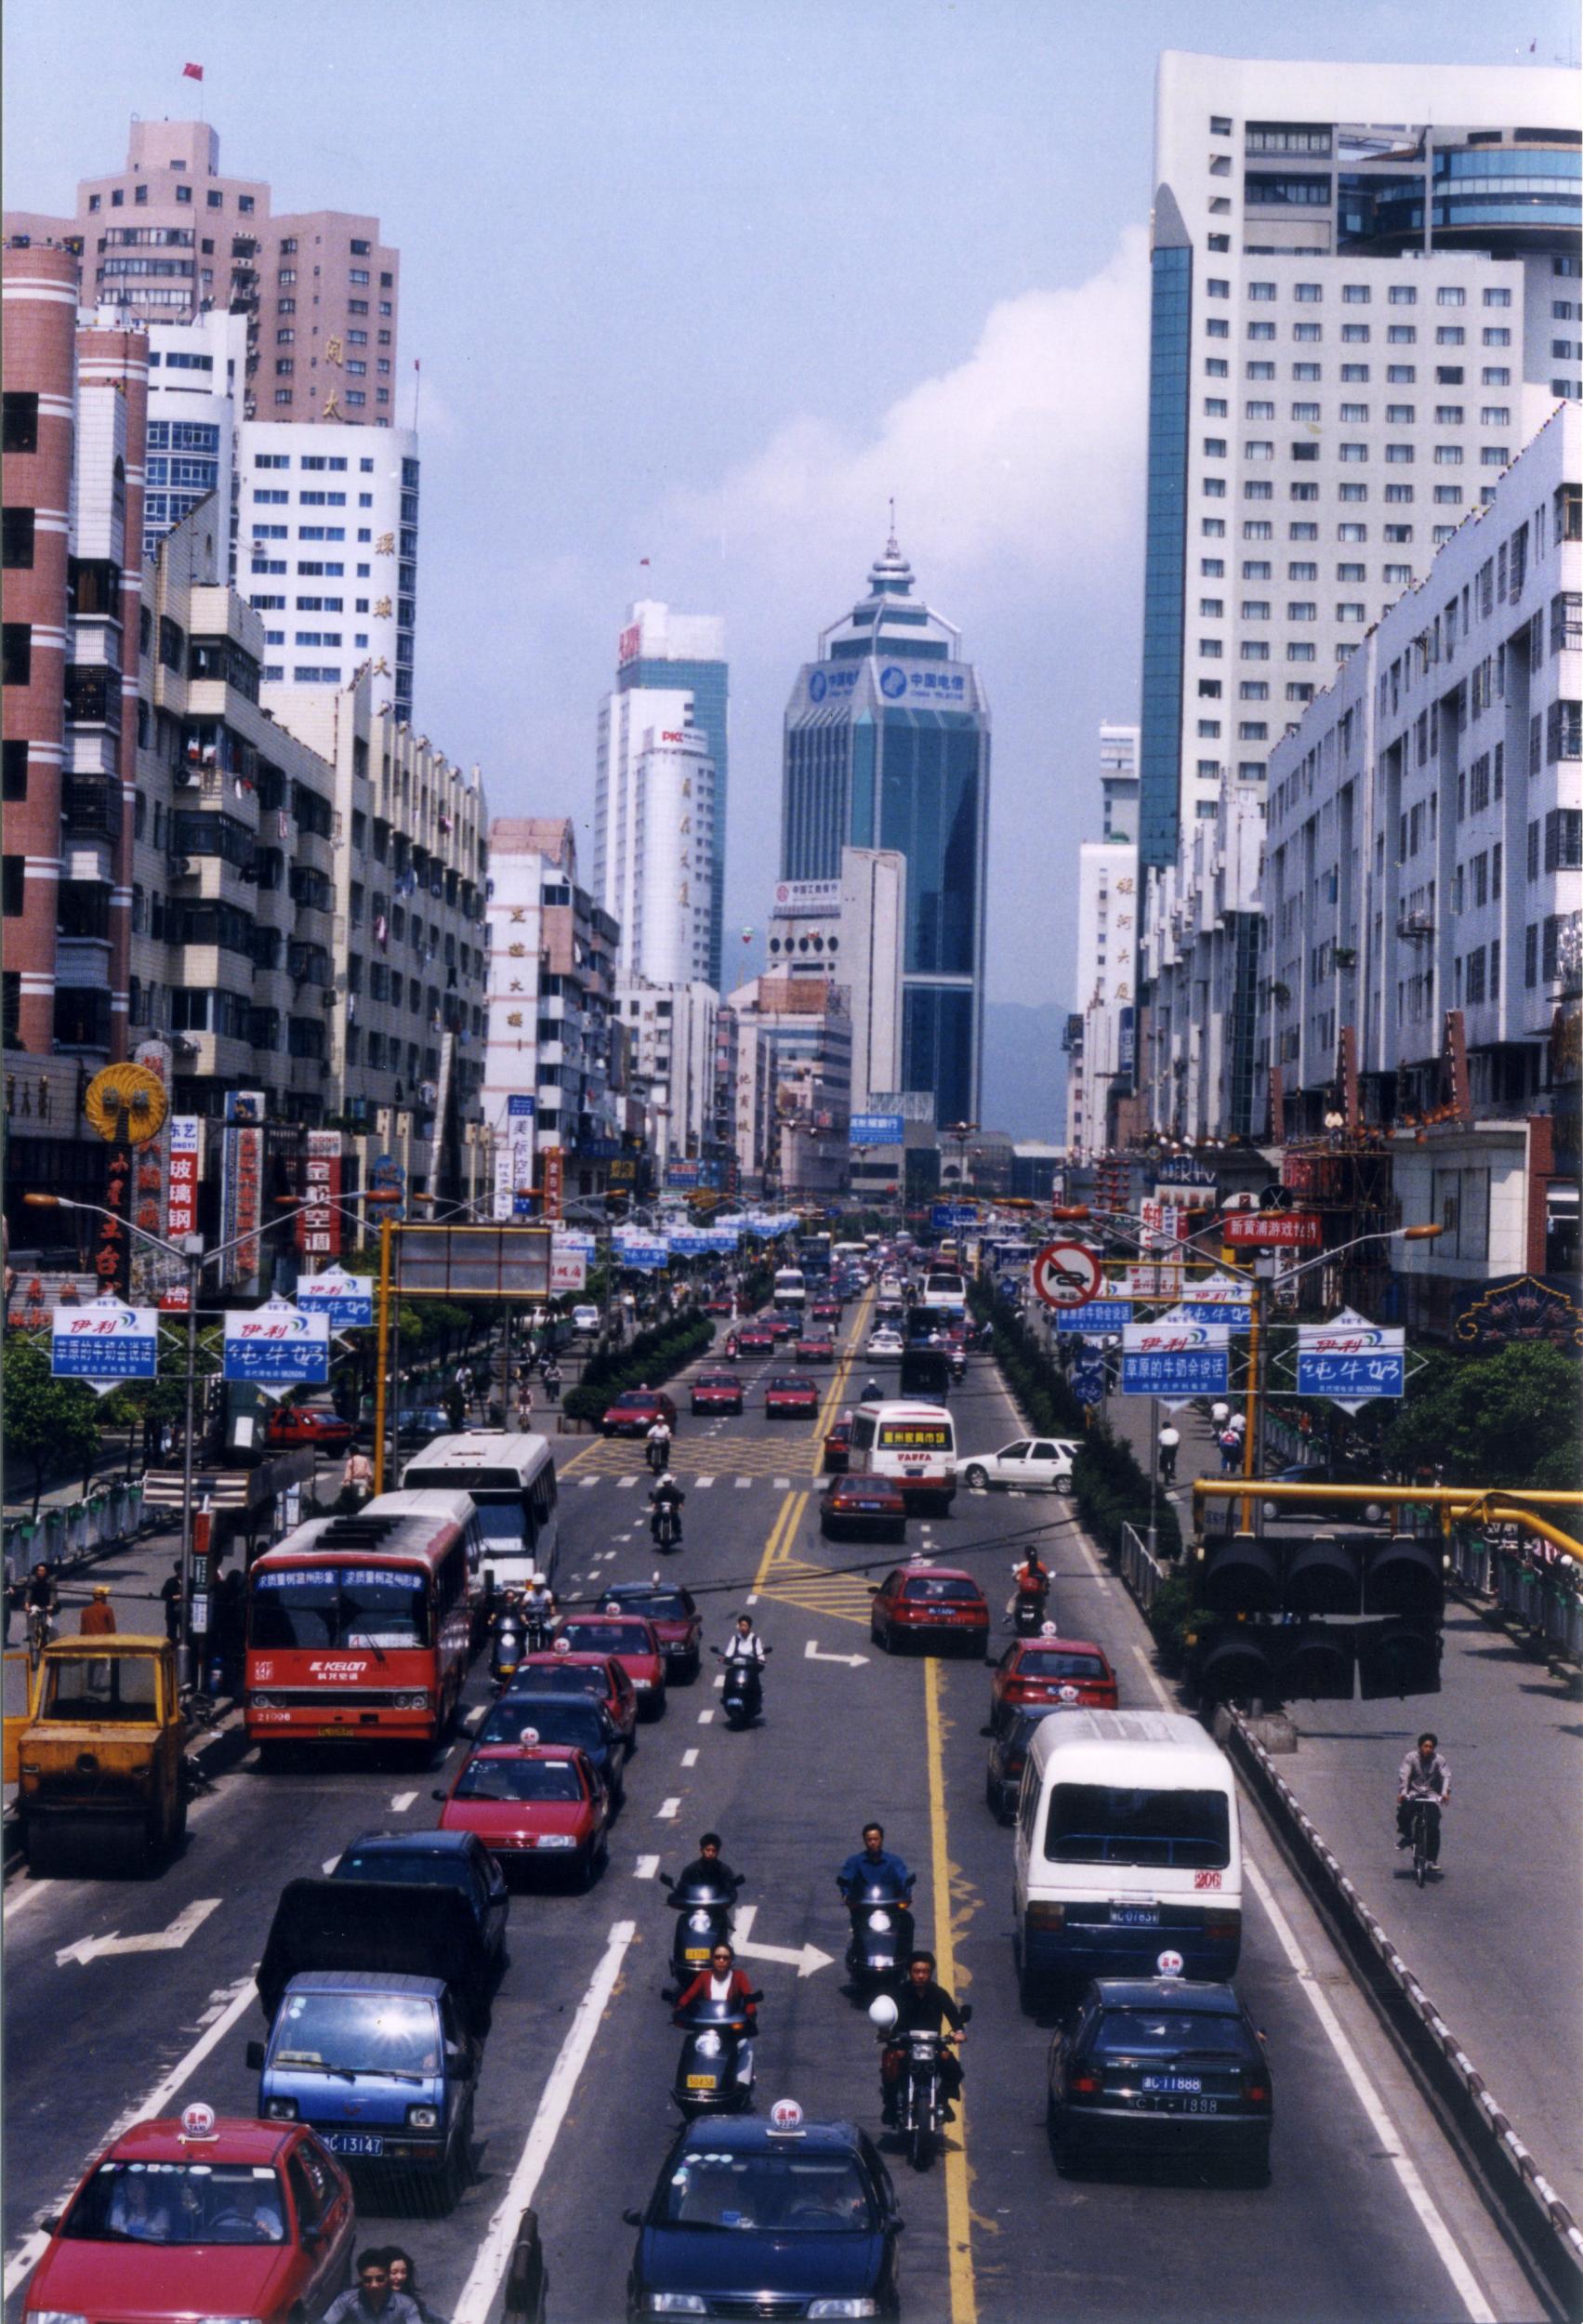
column 1066, row 1275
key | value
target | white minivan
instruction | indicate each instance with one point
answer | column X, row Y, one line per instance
column 1128, row 1859
column 912, row 1443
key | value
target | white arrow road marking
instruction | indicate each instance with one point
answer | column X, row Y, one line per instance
column 479, row 2293
column 170, row 1940
column 667, row 1811
column 402, row 1800
column 805, row 1958
column 645, row 1868
column 811, row 1654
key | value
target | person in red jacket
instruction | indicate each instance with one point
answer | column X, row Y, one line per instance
column 723, row 1981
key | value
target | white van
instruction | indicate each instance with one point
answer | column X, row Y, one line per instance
column 791, row 1290
column 1128, row 1859
column 911, row 1443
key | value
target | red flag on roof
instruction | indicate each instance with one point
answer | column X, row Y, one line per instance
column 191, row 71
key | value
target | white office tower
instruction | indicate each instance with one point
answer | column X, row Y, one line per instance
column 670, row 1032
column 1118, row 781
column 1101, row 1026
column 852, row 930
column 195, row 371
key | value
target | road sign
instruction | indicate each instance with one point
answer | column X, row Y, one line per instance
column 1066, row 1275
column 1088, row 1382
column 1095, row 1317
column 1175, row 1358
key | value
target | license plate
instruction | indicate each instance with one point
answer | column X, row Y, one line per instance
column 697, row 1952
column 338, row 1730
column 1135, row 1916
column 353, row 2143
column 1193, row 2082
column 702, row 2081
column 1155, row 2102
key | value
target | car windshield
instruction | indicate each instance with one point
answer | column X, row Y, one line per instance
column 110, row 1687
column 1164, row 2033
column 1055, row 1662
column 337, row 1606
column 519, row 1779
column 797, row 2194
column 668, row 1605
column 573, row 1720
column 357, row 2033
column 933, row 1586
column 432, row 1869
column 793, row 1387
column 570, row 1678
column 179, row 2202
column 633, row 1402
column 500, row 1520
column 605, row 1638
column 1096, row 1823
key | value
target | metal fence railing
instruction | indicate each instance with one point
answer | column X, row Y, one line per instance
column 1547, row 1598
column 60, row 1536
column 1141, row 1572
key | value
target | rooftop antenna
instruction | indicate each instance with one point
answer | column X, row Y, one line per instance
column 892, row 547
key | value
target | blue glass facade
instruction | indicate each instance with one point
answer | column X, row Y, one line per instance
column 707, row 683
column 1165, row 556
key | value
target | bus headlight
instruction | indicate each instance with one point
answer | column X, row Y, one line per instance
column 412, row 1702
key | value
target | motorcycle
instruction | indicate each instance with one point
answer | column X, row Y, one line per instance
column 706, row 2070
column 665, row 1526
column 704, row 1911
column 742, row 1696
column 1028, row 1613
column 881, row 1933
column 507, row 1644
column 920, row 2102
column 658, row 1457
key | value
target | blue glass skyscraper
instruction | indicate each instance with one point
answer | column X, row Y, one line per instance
column 887, row 745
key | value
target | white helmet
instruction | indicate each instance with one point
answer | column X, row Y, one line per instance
column 883, row 2013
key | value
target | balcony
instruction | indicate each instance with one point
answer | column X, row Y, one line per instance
column 93, row 695
column 90, row 806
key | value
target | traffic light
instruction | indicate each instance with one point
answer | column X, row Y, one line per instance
column 1399, row 1658
column 1297, row 1619
column 1242, row 1575
column 1275, row 1662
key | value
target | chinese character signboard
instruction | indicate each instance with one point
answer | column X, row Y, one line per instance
column 347, row 1300
column 1351, row 1359
column 1174, row 1357
column 319, row 1229
column 181, row 1192
column 520, row 1112
column 1272, row 1230
column 104, row 1343
column 568, row 1271
column 553, row 1163
column 241, row 1182
column 876, row 1130
column 277, row 1346
column 1094, row 1318
column 1217, row 1298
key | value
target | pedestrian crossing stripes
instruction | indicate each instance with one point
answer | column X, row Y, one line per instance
column 789, row 1458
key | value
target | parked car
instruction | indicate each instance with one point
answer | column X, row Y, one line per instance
column 634, row 1413
column 1070, row 1672
column 1161, row 2067
column 938, row 1605
column 677, row 1622
column 715, row 1392
column 308, row 1424
column 788, row 1398
column 838, row 1449
column 1037, row 1464
column 534, row 1805
column 858, row 1504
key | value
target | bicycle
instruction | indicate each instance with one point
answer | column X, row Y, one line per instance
column 1421, row 1827
column 41, row 1630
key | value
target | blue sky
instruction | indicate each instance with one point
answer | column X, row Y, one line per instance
column 706, row 280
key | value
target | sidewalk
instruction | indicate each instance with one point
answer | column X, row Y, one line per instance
column 1498, row 1941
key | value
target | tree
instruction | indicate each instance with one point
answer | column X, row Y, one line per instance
column 49, row 1423
column 1508, row 1419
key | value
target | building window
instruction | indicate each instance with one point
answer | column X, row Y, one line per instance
column 1355, row 293
column 17, row 539
column 19, row 431
column 15, row 876
column 16, row 653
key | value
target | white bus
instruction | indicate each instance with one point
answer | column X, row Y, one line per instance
column 912, row 1443
column 512, row 1479
column 791, row 1290
column 944, row 1287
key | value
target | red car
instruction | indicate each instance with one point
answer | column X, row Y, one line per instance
column 756, row 1340
column 813, row 1347
column 1072, row 1671
column 635, row 1413
column 838, row 1449
column 308, row 1424
column 719, row 1305
column 717, row 1392
column 630, row 1641
column 933, row 1604
column 825, row 1312
column 860, row 1504
column 205, row 2216
column 787, row 1398
column 599, row 1675
column 533, row 1805
column 677, row 1624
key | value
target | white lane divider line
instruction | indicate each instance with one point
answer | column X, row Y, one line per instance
column 402, row 1800
column 783, row 1484
column 241, row 1998
column 702, row 1485
column 742, row 1484
column 480, row 2292
column 668, row 1810
column 588, row 1482
column 718, row 1678
column 705, row 1718
column 752, row 1598
column 1385, row 2130
column 645, row 1868
column 690, row 1759
column 625, row 1484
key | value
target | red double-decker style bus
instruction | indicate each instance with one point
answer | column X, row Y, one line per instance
column 360, row 1628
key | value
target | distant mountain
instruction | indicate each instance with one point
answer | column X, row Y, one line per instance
column 1024, row 1069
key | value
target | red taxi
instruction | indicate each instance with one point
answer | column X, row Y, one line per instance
column 629, row 1640
column 559, row 1670
column 814, row 1347
column 717, row 1392
column 205, row 2216
column 756, row 1340
column 308, row 1424
column 534, row 1805
column 1069, row 1672
column 934, row 1604
column 859, row 1504
column 827, row 1311
column 720, row 1304
column 677, row 1624
column 635, row 1413
column 838, row 1449
column 787, row 1398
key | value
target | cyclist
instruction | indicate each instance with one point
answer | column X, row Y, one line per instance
column 42, row 1602
column 1424, row 1776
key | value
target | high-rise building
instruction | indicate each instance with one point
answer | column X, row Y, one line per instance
column 851, row 929
column 1365, row 301
column 887, row 745
column 1119, row 782
column 660, row 795
column 195, row 376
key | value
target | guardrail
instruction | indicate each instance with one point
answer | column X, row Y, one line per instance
column 1546, row 2223
column 60, row 1534
column 1138, row 1569
column 1546, row 1600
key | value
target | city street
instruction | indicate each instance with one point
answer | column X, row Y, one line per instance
column 1369, row 2214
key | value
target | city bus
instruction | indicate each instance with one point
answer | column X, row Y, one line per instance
column 510, row 1478
column 360, row 1628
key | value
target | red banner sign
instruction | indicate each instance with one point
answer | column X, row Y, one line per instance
column 319, row 1229
column 1274, row 1230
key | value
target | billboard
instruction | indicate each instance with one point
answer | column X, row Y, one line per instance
column 104, row 1341
column 275, row 1347
column 876, row 1130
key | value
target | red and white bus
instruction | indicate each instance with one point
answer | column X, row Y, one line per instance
column 360, row 1628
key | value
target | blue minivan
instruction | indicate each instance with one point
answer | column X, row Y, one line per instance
column 382, row 2065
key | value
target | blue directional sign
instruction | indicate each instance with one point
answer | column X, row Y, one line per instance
column 946, row 1215
column 1096, row 1317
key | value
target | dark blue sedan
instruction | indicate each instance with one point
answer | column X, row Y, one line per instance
column 756, row 2217
column 438, row 1859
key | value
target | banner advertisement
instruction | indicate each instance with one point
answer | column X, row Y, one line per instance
column 568, row 1271
column 1094, row 1317
column 876, row 1130
column 552, row 1164
column 1217, row 1298
column 520, row 1112
column 242, row 1182
column 1351, row 1359
column 347, row 1300
column 319, row 1229
column 1272, row 1230
column 1174, row 1357
column 275, row 1347
column 104, row 1343
column 186, row 1157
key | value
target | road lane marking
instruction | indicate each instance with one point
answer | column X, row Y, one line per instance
column 1385, row 2130
column 702, row 1485
column 645, row 1868
column 329, row 1865
column 479, row 2293
column 783, row 1484
column 625, row 1484
column 28, row 2254
column 705, row 1718
column 958, row 2204
column 585, row 1482
column 752, row 1598
column 402, row 1800
column 743, row 1483
column 167, row 1940
column 668, row 1810
column 690, row 1759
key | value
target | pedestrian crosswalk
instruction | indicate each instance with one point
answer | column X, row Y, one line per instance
column 789, row 1460
column 789, row 1479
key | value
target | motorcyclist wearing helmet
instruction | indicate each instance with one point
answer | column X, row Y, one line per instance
column 658, row 1444
column 667, row 1494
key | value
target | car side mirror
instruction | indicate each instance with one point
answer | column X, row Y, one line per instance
column 52, row 2224
column 633, row 2218
column 873, row 1589
column 989, row 1731
column 439, row 1792
column 255, row 2056
column 897, row 2221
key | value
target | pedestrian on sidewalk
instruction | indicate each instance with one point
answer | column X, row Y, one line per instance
column 170, row 1598
column 1169, row 1438
column 98, row 1617
column 1230, row 1451
column 1220, row 1418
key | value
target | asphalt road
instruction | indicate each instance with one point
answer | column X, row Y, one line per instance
column 1369, row 2216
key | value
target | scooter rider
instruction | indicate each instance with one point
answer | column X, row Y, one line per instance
column 723, row 1981
column 1424, row 1775
column 667, row 1494
column 923, row 2007
column 745, row 1645
column 874, row 1867
column 1033, row 1581
column 539, row 1604
column 658, row 1444
column 708, row 1866
column 551, row 1378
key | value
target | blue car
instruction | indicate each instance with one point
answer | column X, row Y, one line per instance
column 574, row 1719
column 383, row 2067
column 778, row 2217
column 456, row 1860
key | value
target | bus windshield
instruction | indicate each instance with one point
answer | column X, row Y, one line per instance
column 501, row 1518
column 339, row 1605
